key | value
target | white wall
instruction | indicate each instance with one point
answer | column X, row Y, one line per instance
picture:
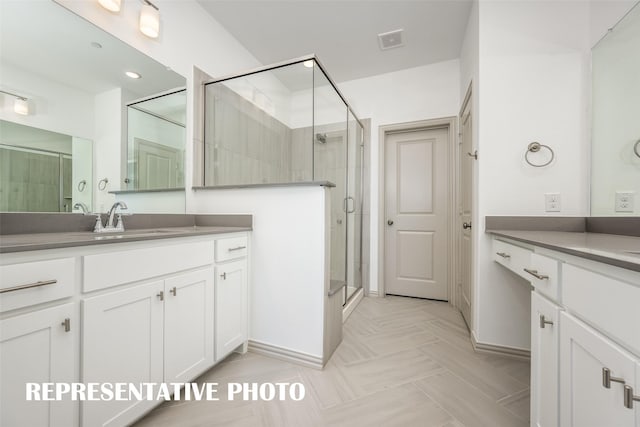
column 533, row 86
column 420, row 93
column 604, row 14
column 287, row 275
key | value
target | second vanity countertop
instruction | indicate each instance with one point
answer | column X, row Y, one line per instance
column 39, row 241
column 621, row 251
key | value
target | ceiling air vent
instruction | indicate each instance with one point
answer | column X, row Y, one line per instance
column 390, row 39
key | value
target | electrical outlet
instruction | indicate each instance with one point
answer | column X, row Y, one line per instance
column 552, row 202
column 624, row 201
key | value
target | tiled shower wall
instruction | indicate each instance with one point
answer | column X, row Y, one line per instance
column 245, row 145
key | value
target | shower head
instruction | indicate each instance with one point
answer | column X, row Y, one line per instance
column 321, row 138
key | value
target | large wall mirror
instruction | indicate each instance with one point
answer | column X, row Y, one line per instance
column 615, row 169
column 67, row 130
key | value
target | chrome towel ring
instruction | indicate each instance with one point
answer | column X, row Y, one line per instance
column 636, row 148
column 534, row 147
column 102, row 185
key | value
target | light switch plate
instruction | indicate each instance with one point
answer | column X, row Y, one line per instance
column 624, row 201
column 552, row 202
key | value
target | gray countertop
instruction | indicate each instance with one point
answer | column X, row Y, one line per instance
column 621, row 251
column 38, row 241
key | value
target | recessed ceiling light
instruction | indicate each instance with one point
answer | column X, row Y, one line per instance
column 308, row 64
column 133, row 74
column 96, row 45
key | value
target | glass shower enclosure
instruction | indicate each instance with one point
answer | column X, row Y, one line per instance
column 288, row 123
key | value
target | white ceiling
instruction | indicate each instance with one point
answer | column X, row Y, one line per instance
column 343, row 34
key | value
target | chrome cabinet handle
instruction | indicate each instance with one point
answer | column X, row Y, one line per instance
column 174, row 291
column 29, row 285
column 607, row 379
column 544, row 321
column 237, row 248
column 474, row 154
column 629, row 397
column 160, row 295
column 537, row 275
column 224, row 276
column 389, row 222
column 503, row 254
column 466, row 225
column 66, row 324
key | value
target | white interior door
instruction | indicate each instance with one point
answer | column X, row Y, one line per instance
column 416, row 198
column 157, row 165
column 465, row 212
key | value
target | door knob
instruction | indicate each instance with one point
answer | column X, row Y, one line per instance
column 466, row 225
column 389, row 222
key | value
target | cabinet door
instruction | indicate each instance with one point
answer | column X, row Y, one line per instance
column 544, row 362
column 188, row 325
column 37, row 348
column 122, row 342
column 231, row 307
column 584, row 401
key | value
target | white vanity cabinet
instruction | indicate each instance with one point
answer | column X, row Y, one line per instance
column 544, row 361
column 38, row 347
column 588, row 399
column 122, row 342
column 585, row 338
column 156, row 332
column 231, row 295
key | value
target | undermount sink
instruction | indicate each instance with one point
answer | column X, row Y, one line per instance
column 129, row 234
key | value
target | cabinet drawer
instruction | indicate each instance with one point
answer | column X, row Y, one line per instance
column 33, row 283
column 231, row 248
column 543, row 273
column 608, row 304
column 512, row 257
column 125, row 266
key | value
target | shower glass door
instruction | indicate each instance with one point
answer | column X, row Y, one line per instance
column 330, row 140
column 354, row 205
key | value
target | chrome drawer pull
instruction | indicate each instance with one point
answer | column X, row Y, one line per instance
column 66, row 324
column 629, row 397
column 174, row 291
column 607, row 379
column 535, row 274
column 544, row 321
column 503, row 254
column 236, row 248
column 224, row 276
column 30, row 285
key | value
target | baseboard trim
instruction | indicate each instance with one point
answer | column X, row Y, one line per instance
column 352, row 304
column 373, row 294
column 516, row 353
column 286, row 354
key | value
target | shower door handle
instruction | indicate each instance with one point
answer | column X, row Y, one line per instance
column 346, row 205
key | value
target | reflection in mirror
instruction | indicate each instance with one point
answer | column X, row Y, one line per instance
column 73, row 77
column 155, row 142
column 43, row 171
column 615, row 170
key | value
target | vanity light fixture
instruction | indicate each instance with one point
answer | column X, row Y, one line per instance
column 111, row 5
column 132, row 74
column 20, row 104
column 308, row 64
column 150, row 19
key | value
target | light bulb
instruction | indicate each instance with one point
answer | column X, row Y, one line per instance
column 21, row 106
column 110, row 5
column 149, row 21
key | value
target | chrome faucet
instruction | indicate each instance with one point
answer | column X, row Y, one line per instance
column 111, row 224
column 82, row 207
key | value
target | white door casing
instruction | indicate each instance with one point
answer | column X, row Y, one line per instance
column 417, row 210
